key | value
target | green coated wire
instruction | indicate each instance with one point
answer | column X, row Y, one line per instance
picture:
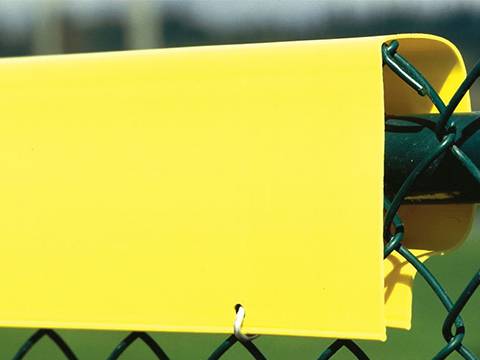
column 338, row 344
column 400, row 66
column 461, row 302
column 466, row 162
column 37, row 336
column 456, row 98
column 405, row 187
column 416, row 80
column 232, row 340
column 393, row 242
column 453, row 317
column 131, row 338
column 447, row 303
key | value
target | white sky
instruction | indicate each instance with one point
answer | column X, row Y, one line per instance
column 16, row 15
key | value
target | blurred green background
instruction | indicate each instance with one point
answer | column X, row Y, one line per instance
column 66, row 26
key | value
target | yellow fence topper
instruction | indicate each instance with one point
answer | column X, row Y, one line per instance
column 155, row 190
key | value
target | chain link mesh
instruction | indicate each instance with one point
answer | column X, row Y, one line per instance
column 453, row 329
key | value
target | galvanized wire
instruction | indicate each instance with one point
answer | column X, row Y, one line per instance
column 453, row 329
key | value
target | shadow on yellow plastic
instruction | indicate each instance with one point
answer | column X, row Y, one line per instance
column 154, row 190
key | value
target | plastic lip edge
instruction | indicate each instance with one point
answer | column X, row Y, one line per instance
column 380, row 335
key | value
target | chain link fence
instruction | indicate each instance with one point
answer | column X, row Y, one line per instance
column 453, row 329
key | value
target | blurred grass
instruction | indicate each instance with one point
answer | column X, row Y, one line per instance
column 422, row 342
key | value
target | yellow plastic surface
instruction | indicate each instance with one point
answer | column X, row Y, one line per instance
column 154, row 190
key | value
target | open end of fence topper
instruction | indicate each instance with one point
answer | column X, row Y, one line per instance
column 291, row 188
